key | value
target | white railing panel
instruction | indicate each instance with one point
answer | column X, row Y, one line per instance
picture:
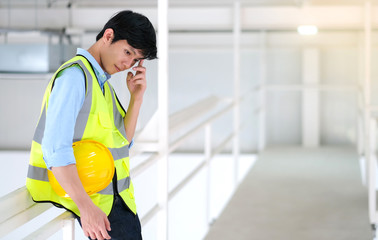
column 192, row 113
column 181, row 185
column 51, row 227
column 22, row 218
column 143, row 166
column 148, row 216
column 14, row 202
column 17, row 208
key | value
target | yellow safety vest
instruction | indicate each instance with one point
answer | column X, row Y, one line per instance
column 100, row 119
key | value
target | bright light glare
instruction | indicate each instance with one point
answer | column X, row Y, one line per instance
column 307, row 30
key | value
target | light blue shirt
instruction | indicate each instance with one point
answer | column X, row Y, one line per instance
column 65, row 102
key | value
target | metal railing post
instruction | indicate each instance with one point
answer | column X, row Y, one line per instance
column 367, row 122
column 69, row 229
column 208, row 171
column 372, row 171
column 236, row 142
column 261, row 94
column 162, row 215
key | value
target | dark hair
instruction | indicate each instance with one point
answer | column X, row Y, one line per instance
column 136, row 29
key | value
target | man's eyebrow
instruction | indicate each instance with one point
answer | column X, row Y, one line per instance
column 132, row 49
column 141, row 58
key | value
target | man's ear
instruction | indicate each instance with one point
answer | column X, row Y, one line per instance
column 108, row 35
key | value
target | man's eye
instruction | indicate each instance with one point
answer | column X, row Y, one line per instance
column 127, row 52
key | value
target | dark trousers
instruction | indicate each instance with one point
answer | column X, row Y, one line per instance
column 125, row 225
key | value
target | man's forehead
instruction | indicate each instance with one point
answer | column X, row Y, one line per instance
column 136, row 51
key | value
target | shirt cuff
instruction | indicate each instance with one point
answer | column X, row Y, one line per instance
column 60, row 158
column 131, row 143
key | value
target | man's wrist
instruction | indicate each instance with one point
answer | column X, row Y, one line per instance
column 136, row 101
column 84, row 203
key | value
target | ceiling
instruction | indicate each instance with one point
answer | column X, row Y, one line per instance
column 173, row 3
column 216, row 15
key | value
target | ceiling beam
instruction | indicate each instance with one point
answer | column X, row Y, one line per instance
column 194, row 19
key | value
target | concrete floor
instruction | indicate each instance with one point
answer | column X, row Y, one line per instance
column 298, row 194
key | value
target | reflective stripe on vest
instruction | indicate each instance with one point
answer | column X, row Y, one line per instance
column 38, row 173
column 117, row 116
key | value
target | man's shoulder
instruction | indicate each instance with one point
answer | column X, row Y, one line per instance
column 72, row 71
column 70, row 78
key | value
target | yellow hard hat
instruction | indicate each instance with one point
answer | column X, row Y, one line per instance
column 95, row 166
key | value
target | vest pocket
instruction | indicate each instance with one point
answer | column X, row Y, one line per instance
column 120, row 138
column 106, row 123
column 105, row 120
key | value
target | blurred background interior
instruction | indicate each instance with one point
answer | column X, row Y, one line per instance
column 259, row 119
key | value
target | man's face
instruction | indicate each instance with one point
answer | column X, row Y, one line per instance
column 119, row 56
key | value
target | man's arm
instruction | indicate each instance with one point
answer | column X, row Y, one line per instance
column 94, row 221
column 66, row 99
column 137, row 86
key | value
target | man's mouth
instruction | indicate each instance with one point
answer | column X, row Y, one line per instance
column 118, row 70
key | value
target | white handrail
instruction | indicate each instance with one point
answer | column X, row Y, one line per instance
column 193, row 173
column 14, row 202
column 17, row 208
column 143, row 166
column 179, row 119
column 203, row 163
column 201, row 125
column 150, row 214
column 51, row 227
column 185, row 121
column 191, row 113
column 181, row 185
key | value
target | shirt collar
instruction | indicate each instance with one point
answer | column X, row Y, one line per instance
column 101, row 75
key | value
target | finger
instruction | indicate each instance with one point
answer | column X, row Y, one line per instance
column 101, row 234
column 104, row 231
column 104, row 234
column 99, row 237
column 92, row 235
column 138, row 76
column 129, row 76
column 141, row 63
column 107, row 224
column 86, row 233
column 139, row 82
column 139, row 69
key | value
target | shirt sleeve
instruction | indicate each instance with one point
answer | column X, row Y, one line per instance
column 131, row 143
column 66, row 99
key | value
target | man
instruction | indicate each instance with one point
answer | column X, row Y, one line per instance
column 79, row 104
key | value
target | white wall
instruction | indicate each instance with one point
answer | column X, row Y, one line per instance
column 201, row 65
